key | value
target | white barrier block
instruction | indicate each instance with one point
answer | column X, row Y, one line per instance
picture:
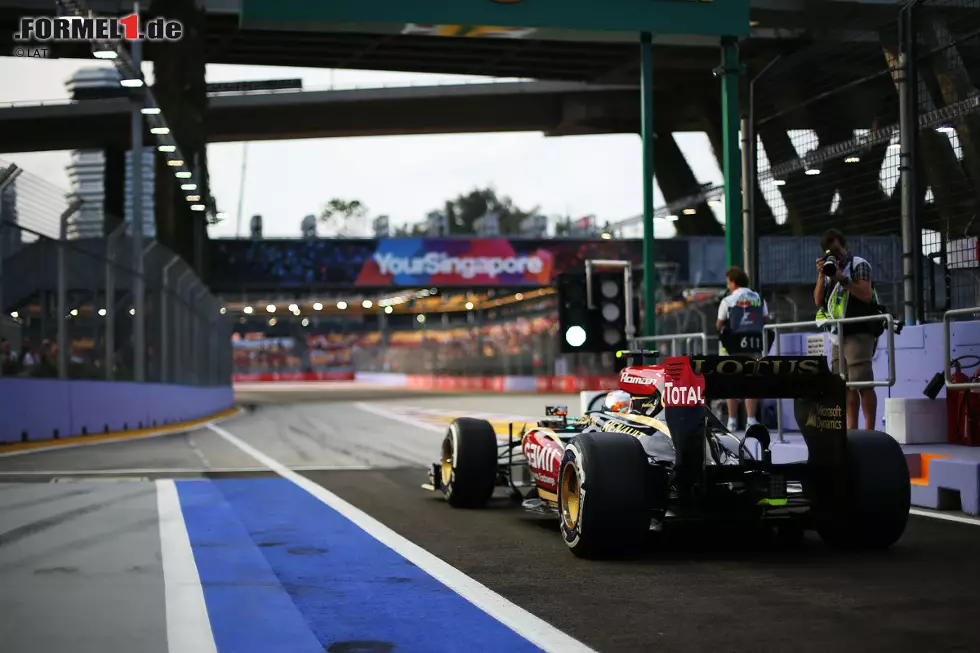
column 520, row 384
column 586, row 396
column 390, row 379
column 916, row 421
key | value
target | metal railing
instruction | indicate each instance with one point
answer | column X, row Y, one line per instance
column 947, row 349
column 686, row 338
column 890, row 349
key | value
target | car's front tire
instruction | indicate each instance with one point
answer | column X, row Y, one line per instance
column 468, row 463
column 602, row 495
column 879, row 495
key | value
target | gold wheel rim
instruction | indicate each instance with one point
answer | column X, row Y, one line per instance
column 570, row 501
column 447, row 461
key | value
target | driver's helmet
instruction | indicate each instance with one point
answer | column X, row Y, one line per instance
column 618, row 401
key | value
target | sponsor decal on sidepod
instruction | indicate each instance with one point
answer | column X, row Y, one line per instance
column 544, row 458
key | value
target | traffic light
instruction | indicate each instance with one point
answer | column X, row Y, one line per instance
column 609, row 298
column 601, row 328
column 574, row 318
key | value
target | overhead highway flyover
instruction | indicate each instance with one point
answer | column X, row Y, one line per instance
column 299, row 526
column 777, row 26
column 555, row 108
column 558, row 107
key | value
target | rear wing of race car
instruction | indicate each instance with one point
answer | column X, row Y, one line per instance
column 772, row 377
column 819, row 396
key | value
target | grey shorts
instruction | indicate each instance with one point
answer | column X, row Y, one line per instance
column 859, row 349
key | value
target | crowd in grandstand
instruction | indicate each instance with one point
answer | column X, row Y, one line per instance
column 519, row 345
column 40, row 359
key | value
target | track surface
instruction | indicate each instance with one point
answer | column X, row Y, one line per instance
column 80, row 558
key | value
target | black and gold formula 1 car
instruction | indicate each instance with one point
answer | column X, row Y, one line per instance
column 656, row 454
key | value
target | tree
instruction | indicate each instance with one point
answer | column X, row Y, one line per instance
column 343, row 215
column 462, row 212
column 407, row 231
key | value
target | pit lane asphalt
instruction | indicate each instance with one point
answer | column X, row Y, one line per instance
column 728, row 592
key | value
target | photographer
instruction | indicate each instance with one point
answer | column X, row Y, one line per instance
column 844, row 289
column 741, row 318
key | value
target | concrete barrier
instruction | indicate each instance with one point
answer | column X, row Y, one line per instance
column 43, row 409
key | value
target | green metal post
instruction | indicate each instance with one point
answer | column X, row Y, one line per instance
column 649, row 240
column 729, row 72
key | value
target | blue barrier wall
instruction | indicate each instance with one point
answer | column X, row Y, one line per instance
column 918, row 356
column 47, row 408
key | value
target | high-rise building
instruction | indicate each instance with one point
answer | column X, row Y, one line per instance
column 436, row 224
column 534, row 226
column 148, row 205
column 87, row 175
column 87, row 168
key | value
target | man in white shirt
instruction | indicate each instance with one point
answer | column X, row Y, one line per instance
column 742, row 315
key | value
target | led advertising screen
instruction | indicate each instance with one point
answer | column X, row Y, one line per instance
column 455, row 262
column 241, row 264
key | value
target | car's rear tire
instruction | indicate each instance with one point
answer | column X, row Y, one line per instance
column 603, row 506
column 879, row 495
column 468, row 463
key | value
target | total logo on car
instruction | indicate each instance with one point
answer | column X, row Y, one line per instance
column 683, row 395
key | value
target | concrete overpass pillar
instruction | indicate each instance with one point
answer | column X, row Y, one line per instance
column 181, row 90
column 833, row 118
column 812, row 195
column 941, row 171
column 677, row 181
column 779, row 148
column 863, row 202
column 711, row 119
column 954, row 85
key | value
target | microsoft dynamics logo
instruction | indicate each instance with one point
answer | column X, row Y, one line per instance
column 97, row 28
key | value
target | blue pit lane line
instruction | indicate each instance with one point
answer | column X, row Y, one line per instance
column 282, row 571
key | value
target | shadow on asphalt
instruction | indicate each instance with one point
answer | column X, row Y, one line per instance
column 726, row 543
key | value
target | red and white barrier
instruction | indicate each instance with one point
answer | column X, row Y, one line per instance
column 490, row 384
column 543, row 384
column 269, row 377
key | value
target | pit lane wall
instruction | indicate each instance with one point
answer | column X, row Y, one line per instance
column 43, row 409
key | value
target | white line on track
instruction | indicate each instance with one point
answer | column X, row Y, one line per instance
column 200, row 454
column 418, row 423
column 525, row 624
column 186, row 470
column 441, row 412
column 959, row 519
column 188, row 625
column 404, row 419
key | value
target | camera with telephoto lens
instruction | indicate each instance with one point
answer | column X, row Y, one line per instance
column 829, row 264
